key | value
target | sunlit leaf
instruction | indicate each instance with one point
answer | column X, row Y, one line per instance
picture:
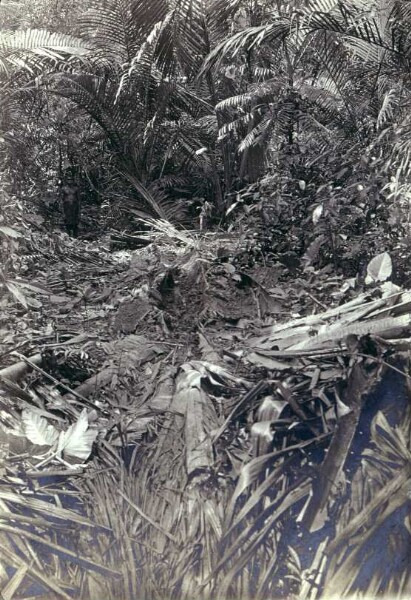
column 78, row 440
column 17, row 293
column 379, row 268
column 37, row 429
column 318, row 211
column 9, row 232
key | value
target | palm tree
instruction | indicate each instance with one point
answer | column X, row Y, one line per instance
column 136, row 88
column 341, row 63
column 142, row 93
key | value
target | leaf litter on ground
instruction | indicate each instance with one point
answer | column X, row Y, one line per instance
column 207, row 445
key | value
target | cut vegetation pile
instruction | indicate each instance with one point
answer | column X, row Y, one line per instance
column 188, row 442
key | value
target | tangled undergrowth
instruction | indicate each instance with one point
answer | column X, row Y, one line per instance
column 168, row 431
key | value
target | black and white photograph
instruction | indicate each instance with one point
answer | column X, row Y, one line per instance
column 205, row 300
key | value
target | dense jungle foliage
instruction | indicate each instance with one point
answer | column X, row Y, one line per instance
column 172, row 109
column 240, row 165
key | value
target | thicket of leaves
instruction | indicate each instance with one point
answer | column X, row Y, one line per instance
column 167, row 109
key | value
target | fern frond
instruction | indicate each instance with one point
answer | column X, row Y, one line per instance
column 209, row 124
column 263, row 73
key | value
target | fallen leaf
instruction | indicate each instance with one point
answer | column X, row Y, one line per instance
column 379, row 268
column 38, row 430
column 78, row 440
column 9, row 232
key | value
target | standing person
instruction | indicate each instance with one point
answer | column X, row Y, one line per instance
column 71, row 208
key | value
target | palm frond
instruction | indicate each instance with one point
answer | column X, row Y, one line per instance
column 324, row 6
column 234, row 126
column 147, row 14
column 165, row 47
column 34, row 48
column 191, row 99
column 190, row 147
column 363, row 28
column 192, row 35
column 335, row 75
column 378, row 491
column 389, row 103
column 258, row 133
column 221, row 11
column 245, row 546
column 243, row 100
column 328, row 100
column 113, row 28
column 91, row 94
column 403, row 11
column 275, row 33
column 141, row 66
column 262, row 92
